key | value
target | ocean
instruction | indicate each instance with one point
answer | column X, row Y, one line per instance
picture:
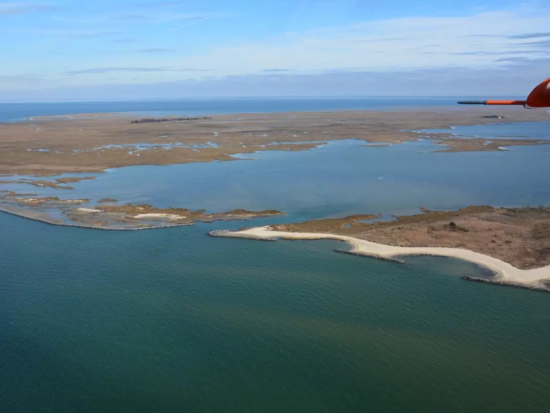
column 21, row 111
column 173, row 320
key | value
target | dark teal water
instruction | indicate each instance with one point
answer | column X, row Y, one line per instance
column 172, row 320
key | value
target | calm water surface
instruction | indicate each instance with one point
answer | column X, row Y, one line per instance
column 173, row 320
column 340, row 178
column 532, row 130
column 20, row 111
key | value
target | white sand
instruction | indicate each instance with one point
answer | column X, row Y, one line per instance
column 28, row 200
column 72, row 202
column 65, row 202
column 88, row 210
column 159, row 216
column 504, row 271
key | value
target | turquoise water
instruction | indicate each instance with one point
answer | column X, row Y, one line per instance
column 173, row 320
column 338, row 179
column 532, row 130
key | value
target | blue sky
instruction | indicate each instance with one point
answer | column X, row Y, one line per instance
column 167, row 49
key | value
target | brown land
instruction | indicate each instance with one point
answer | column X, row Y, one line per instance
column 519, row 236
column 113, row 216
column 133, row 211
column 77, row 144
column 70, row 179
column 41, row 183
column 15, row 198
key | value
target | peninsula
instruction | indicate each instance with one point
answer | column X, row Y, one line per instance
column 514, row 243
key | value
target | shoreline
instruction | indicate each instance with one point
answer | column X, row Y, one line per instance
column 65, row 224
column 504, row 273
column 518, row 236
column 168, row 220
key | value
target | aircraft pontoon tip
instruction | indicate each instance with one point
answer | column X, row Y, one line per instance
column 539, row 98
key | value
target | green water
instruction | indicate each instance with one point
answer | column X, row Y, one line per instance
column 172, row 320
column 175, row 321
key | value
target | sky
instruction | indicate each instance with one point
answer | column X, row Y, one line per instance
column 145, row 49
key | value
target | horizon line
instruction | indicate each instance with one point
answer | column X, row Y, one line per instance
column 101, row 100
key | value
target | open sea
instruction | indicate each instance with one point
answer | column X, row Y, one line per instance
column 172, row 320
column 20, row 111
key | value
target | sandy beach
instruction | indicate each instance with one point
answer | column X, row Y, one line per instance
column 518, row 236
column 504, row 272
column 159, row 216
column 88, row 210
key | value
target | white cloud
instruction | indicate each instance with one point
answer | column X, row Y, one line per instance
column 487, row 42
column 139, row 18
column 154, row 50
column 9, row 9
column 391, row 44
column 25, row 79
column 107, row 70
column 68, row 32
column 431, row 82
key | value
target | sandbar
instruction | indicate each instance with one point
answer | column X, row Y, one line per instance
column 161, row 216
column 88, row 210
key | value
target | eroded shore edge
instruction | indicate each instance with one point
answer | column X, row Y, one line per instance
column 504, row 273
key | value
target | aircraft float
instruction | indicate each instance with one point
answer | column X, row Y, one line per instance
column 539, row 98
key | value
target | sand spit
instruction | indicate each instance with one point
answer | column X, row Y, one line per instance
column 88, row 210
column 159, row 216
column 518, row 236
column 505, row 273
